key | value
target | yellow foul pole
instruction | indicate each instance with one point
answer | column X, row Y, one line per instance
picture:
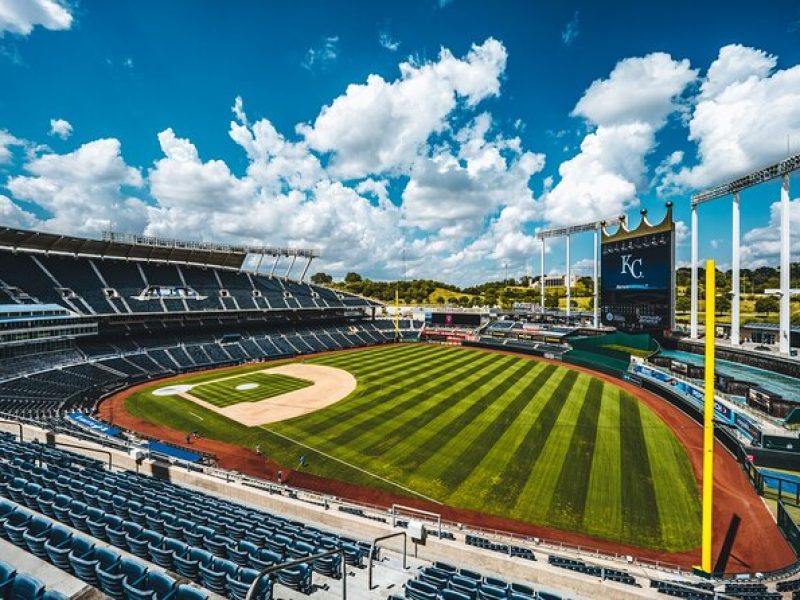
column 708, row 427
column 397, row 314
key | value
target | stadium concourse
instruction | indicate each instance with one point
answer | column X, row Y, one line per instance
column 91, row 510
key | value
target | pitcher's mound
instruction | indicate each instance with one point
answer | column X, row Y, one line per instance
column 329, row 385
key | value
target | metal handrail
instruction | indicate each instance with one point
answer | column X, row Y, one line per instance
column 372, row 553
column 306, row 559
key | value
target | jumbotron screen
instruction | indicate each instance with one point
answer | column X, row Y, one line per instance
column 637, row 282
column 455, row 319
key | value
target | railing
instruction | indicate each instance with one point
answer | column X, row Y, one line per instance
column 372, row 553
column 251, row 592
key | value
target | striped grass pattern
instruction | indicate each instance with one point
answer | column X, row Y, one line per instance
column 222, row 391
column 499, row 434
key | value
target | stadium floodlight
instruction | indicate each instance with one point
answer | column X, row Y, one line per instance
column 567, row 232
column 570, row 229
column 780, row 170
column 773, row 171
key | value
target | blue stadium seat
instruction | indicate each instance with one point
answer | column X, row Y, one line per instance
column 82, row 560
column 153, row 586
column 186, row 592
column 298, row 578
column 112, row 574
column 26, row 587
column 58, row 546
column 7, row 574
column 214, row 574
column 15, row 526
column 36, row 536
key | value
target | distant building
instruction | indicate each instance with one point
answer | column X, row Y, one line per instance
column 552, row 281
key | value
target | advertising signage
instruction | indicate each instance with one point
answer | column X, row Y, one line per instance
column 637, row 274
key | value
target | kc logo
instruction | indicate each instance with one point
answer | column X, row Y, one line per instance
column 634, row 267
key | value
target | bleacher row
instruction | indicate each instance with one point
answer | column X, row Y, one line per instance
column 22, row 586
column 68, row 385
column 219, row 545
column 113, row 286
column 442, row 581
column 133, row 537
column 707, row 591
column 509, row 549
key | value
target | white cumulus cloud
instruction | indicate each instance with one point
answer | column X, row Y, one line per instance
column 21, row 16
column 84, row 191
column 60, row 128
column 624, row 111
column 743, row 115
column 381, row 126
column 6, row 142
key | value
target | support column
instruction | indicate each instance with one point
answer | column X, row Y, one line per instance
column 735, row 296
column 693, row 315
column 569, row 287
column 541, row 280
column 305, row 269
column 785, row 298
column 596, row 291
column 274, row 265
column 291, row 265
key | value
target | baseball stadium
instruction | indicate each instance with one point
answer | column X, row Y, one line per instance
column 202, row 397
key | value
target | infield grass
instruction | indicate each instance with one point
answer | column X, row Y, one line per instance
column 252, row 388
column 500, row 434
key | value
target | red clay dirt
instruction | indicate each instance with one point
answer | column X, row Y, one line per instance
column 758, row 544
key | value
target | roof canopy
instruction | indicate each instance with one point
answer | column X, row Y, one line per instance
column 125, row 246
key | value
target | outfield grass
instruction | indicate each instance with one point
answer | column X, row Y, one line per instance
column 495, row 433
column 222, row 391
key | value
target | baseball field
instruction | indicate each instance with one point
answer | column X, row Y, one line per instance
column 503, row 435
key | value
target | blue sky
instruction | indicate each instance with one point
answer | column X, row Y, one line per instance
column 506, row 117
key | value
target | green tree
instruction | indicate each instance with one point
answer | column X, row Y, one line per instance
column 352, row 277
column 767, row 304
column 321, row 278
column 723, row 303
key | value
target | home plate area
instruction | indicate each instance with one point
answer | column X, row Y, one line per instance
column 269, row 395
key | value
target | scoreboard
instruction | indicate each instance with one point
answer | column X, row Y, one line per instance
column 453, row 319
column 637, row 273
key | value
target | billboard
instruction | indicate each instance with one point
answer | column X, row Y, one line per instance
column 455, row 319
column 637, row 272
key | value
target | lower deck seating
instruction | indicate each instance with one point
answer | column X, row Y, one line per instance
column 50, row 393
column 218, row 544
column 442, row 581
column 510, row 549
column 23, row 586
column 604, row 573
